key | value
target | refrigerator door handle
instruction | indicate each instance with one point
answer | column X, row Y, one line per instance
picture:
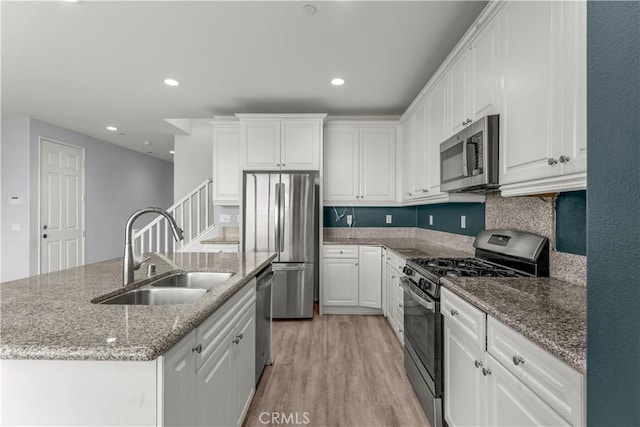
column 276, row 219
column 281, row 213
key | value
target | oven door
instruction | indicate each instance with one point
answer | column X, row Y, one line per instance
column 423, row 333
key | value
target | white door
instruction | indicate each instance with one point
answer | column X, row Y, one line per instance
column 300, row 149
column 61, row 206
column 407, row 159
column 226, row 164
column 179, row 383
column 245, row 361
column 485, row 76
column 459, row 94
column 340, row 280
column 370, row 276
column 378, row 152
column 420, row 152
column 261, row 144
column 437, row 132
column 392, row 278
column 342, row 164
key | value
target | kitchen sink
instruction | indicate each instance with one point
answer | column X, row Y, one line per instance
column 193, row 280
column 156, row 296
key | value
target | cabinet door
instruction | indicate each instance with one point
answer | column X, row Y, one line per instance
column 575, row 85
column 459, row 94
column 511, row 403
column 465, row 398
column 406, row 175
column 300, row 149
column 531, row 113
column 245, row 363
column 420, row 156
column 226, row 164
column 341, row 164
column 340, row 280
column 370, row 277
column 180, row 398
column 215, row 383
column 436, row 131
column 378, row 153
column 485, row 75
column 391, row 278
column 261, row 144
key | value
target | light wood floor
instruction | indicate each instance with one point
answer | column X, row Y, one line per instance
column 341, row 370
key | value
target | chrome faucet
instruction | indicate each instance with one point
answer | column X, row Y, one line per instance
column 130, row 264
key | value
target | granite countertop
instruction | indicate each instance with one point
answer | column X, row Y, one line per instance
column 549, row 312
column 51, row 316
column 406, row 248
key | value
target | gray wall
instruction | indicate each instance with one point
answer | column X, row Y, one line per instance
column 193, row 160
column 117, row 182
column 613, row 233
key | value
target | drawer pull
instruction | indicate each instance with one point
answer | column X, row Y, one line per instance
column 477, row 363
column 341, row 252
column 197, row 349
column 486, row 371
column 454, row 312
column 517, row 360
column 399, row 305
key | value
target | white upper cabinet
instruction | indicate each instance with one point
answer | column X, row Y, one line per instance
column 459, row 114
column 542, row 138
column 484, row 81
column 276, row 142
column 359, row 163
column 420, row 152
column 342, row 164
column 437, row 133
column 406, row 158
column 226, row 162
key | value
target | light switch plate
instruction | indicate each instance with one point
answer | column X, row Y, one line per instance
column 463, row 221
column 225, row 218
column 430, row 219
column 389, row 219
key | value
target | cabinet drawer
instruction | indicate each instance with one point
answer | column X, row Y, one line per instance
column 212, row 331
column 396, row 262
column 333, row 251
column 559, row 385
column 469, row 319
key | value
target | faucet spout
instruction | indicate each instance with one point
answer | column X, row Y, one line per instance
column 129, row 264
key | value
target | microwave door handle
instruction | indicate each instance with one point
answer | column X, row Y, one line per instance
column 465, row 167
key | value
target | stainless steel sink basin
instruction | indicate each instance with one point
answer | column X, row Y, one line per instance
column 156, row 296
column 194, row 280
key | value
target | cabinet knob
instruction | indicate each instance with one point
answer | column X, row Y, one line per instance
column 410, row 194
column 236, row 340
column 197, row 349
column 477, row 363
column 284, row 164
column 486, row 372
column 393, row 277
column 356, row 263
column 552, row 161
column 464, row 123
column 454, row 312
column 400, row 330
column 399, row 305
column 239, row 336
column 340, row 251
column 564, row 159
column 517, row 360
column 388, row 259
column 44, row 236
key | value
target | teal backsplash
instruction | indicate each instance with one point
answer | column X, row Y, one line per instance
column 571, row 222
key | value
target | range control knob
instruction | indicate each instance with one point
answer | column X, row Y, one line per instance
column 422, row 284
column 408, row 271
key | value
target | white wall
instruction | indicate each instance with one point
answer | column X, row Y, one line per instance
column 193, row 158
column 118, row 181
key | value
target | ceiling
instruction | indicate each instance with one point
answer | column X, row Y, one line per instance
column 84, row 66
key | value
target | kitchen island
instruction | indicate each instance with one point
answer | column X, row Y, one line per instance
column 67, row 360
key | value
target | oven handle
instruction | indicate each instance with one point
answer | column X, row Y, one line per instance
column 429, row 305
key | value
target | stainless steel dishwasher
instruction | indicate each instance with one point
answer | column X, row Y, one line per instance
column 263, row 320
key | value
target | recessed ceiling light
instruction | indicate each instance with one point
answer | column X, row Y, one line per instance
column 337, row 82
column 112, row 128
column 172, row 152
column 310, row 9
column 171, row 82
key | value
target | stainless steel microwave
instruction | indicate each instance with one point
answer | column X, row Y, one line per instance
column 469, row 159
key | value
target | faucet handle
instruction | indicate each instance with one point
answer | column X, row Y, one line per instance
column 138, row 264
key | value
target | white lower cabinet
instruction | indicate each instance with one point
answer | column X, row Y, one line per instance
column 209, row 376
column 352, row 278
column 395, row 295
column 480, row 388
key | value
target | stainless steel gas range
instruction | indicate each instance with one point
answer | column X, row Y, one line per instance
column 499, row 253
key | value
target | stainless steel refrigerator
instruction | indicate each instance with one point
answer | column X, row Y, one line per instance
column 280, row 215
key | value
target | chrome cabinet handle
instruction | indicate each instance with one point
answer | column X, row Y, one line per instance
column 454, row 312
column 517, row 360
column 552, row 161
column 477, row 363
column 239, row 336
column 564, row 159
column 236, row 341
column 464, row 123
column 486, row 371
column 197, row 349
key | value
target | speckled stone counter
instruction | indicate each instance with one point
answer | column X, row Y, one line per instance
column 405, row 247
column 549, row 312
column 221, row 240
column 51, row 316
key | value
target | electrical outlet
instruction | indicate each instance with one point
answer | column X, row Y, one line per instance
column 430, row 219
column 389, row 219
column 225, row 218
column 463, row 221
column 349, row 219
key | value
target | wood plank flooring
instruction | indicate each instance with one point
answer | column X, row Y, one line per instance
column 341, row 371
